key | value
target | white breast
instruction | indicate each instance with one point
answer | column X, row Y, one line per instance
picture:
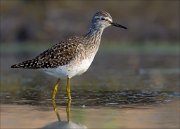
column 71, row 69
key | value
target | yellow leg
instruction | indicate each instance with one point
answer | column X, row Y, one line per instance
column 68, row 89
column 53, row 99
column 68, row 109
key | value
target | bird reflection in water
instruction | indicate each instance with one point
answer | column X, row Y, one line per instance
column 63, row 124
column 54, row 103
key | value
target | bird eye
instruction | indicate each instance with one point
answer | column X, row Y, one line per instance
column 102, row 18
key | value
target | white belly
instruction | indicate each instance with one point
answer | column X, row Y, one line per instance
column 70, row 70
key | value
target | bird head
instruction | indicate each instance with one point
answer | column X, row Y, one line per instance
column 102, row 19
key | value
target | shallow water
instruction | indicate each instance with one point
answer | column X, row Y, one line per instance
column 154, row 116
column 123, row 88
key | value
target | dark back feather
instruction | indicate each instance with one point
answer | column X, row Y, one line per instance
column 59, row 55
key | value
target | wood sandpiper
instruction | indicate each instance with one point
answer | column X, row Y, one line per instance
column 72, row 56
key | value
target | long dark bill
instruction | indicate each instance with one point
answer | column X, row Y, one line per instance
column 118, row 25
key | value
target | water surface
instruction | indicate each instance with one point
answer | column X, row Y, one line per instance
column 142, row 116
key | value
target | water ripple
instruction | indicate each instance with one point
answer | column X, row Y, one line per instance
column 91, row 98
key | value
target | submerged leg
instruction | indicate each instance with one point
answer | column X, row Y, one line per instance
column 68, row 89
column 53, row 99
column 68, row 109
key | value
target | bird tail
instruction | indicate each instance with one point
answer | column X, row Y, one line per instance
column 29, row 64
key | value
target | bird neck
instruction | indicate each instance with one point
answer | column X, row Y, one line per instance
column 94, row 35
column 93, row 38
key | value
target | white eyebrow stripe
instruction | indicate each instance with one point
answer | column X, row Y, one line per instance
column 108, row 19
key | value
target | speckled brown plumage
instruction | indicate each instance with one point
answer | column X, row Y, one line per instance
column 59, row 55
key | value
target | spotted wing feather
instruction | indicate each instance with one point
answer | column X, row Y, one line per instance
column 59, row 55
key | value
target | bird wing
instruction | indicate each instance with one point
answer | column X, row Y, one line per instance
column 58, row 55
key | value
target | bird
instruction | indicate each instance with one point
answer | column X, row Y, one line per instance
column 72, row 56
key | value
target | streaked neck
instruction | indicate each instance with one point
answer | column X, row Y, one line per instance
column 94, row 33
column 93, row 38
